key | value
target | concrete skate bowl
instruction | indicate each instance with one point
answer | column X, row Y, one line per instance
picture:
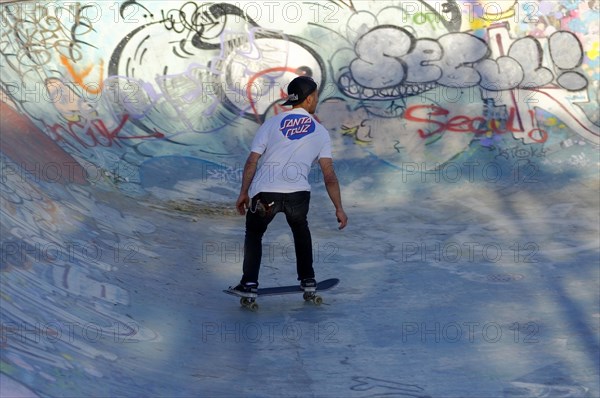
column 124, row 130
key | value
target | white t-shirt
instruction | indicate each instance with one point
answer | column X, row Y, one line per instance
column 289, row 144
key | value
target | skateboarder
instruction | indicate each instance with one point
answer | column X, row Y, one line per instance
column 288, row 144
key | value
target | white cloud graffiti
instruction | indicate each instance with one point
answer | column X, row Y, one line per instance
column 387, row 59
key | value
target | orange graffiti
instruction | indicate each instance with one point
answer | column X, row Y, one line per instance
column 79, row 76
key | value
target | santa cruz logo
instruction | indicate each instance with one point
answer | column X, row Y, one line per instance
column 295, row 127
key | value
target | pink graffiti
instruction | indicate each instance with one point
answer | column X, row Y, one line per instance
column 466, row 124
column 95, row 133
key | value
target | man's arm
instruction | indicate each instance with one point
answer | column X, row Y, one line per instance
column 333, row 189
column 243, row 201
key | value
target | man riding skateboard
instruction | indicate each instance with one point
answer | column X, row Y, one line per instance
column 288, row 144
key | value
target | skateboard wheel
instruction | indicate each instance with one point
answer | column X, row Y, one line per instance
column 245, row 301
column 317, row 300
column 249, row 303
column 307, row 296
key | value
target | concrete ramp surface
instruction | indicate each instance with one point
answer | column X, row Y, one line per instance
column 466, row 140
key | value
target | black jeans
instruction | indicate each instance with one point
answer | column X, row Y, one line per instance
column 295, row 206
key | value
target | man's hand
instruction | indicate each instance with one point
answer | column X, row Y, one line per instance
column 333, row 189
column 342, row 218
column 243, row 202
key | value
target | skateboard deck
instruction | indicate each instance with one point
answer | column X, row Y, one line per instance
column 280, row 290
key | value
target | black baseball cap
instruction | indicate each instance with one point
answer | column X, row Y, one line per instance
column 300, row 88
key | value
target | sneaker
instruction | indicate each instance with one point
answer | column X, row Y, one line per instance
column 248, row 289
column 308, row 284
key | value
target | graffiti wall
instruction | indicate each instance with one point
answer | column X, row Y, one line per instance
column 162, row 98
column 122, row 85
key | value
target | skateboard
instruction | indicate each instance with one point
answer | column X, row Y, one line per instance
column 250, row 302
